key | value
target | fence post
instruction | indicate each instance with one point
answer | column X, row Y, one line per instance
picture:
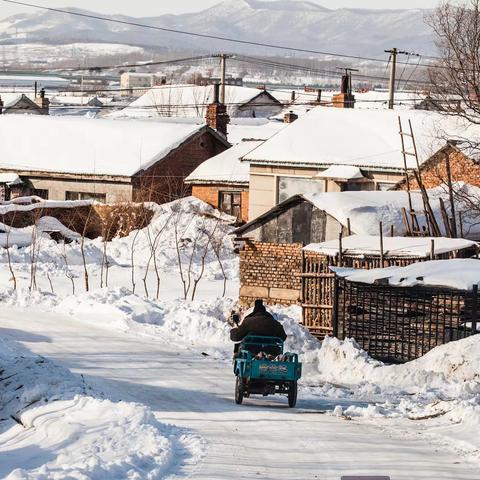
column 474, row 309
column 335, row 307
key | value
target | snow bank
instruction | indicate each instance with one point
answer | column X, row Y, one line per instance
column 442, row 387
column 459, row 273
column 51, row 429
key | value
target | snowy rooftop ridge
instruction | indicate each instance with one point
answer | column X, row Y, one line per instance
column 369, row 245
column 225, row 167
column 87, row 146
column 362, row 138
column 459, row 273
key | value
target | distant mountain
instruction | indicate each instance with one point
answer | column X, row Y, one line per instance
column 302, row 24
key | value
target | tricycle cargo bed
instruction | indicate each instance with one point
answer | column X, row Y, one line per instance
column 288, row 371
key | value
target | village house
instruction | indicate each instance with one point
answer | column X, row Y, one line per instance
column 337, row 149
column 192, row 101
column 136, row 84
column 12, row 103
column 72, row 158
column 222, row 181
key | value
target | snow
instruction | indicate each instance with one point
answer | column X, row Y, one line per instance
column 63, row 431
column 366, row 209
column 92, row 146
column 155, row 394
column 369, row 245
column 362, row 138
column 225, row 167
column 343, row 172
column 10, row 179
column 192, row 101
column 252, row 129
column 459, row 273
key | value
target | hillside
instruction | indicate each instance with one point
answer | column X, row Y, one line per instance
column 303, row 24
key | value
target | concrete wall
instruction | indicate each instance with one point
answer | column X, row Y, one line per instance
column 264, row 184
column 57, row 188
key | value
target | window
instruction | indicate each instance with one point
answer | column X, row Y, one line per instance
column 231, row 203
column 39, row 192
column 289, row 186
column 99, row 197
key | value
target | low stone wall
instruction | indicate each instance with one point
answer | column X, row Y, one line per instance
column 94, row 220
column 270, row 271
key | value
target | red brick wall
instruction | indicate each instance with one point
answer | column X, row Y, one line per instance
column 270, row 271
column 211, row 195
column 434, row 172
column 164, row 182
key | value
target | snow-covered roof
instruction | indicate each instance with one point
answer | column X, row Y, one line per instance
column 87, row 146
column 186, row 100
column 225, row 167
column 10, row 178
column 458, row 273
column 343, row 172
column 252, row 128
column 11, row 99
column 369, row 245
column 366, row 209
column 363, row 138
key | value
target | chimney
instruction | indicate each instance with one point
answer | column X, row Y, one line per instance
column 344, row 99
column 319, row 96
column 290, row 117
column 216, row 116
column 293, row 96
column 43, row 102
column 1, row 106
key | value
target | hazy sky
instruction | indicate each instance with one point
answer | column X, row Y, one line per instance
column 159, row 7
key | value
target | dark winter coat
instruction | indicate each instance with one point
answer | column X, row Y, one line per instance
column 258, row 323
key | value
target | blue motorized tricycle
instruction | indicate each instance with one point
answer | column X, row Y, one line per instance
column 262, row 368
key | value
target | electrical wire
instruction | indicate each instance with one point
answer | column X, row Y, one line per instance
column 201, row 35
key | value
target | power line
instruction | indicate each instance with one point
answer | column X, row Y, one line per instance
column 200, row 35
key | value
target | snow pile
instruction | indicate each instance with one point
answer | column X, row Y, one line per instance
column 459, row 273
column 443, row 386
column 27, row 379
column 52, row 430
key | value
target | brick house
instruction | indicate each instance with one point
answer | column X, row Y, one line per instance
column 456, row 162
column 72, row 158
column 222, row 181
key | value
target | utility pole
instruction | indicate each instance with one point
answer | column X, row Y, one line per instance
column 393, row 71
column 223, row 67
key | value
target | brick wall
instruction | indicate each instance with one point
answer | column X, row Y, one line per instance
column 164, row 181
column 211, row 195
column 270, row 271
column 434, row 171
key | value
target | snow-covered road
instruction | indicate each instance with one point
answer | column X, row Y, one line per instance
column 261, row 439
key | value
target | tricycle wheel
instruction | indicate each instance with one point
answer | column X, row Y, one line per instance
column 292, row 394
column 239, row 391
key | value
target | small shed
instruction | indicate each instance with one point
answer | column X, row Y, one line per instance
column 399, row 314
column 363, row 252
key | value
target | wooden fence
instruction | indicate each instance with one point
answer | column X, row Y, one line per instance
column 317, row 282
column 398, row 324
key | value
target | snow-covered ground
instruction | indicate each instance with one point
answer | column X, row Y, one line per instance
column 112, row 383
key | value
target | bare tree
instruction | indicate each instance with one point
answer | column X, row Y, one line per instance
column 217, row 247
column 7, row 246
column 455, row 77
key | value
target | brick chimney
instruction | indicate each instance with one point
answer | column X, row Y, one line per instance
column 43, row 102
column 290, row 117
column 1, row 106
column 216, row 116
column 344, row 99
